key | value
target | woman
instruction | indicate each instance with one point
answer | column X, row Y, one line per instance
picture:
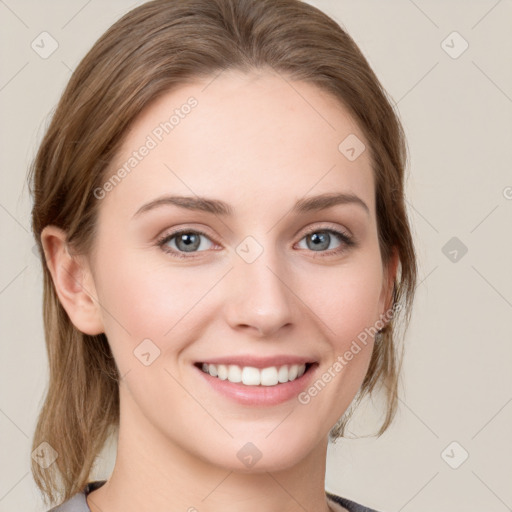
column 202, row 154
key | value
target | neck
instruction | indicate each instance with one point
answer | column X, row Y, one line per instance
column 153, row 473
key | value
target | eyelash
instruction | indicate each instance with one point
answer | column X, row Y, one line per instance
column 347, row 241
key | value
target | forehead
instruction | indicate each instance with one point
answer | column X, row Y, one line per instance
column 239, row 135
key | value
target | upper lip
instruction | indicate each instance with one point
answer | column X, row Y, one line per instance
column 258, row 361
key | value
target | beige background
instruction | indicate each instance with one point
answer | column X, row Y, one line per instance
column 457, row 378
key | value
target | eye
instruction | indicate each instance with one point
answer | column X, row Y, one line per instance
column 179, row 243
column 187, row 241
column 319, row 240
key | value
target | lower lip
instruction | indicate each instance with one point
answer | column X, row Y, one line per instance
column 260, row 395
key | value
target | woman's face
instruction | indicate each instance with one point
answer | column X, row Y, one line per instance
column 259, row 282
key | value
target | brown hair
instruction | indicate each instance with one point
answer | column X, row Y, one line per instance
column 154, row 47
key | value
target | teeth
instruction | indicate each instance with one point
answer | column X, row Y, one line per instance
column 269, row 376
column 251, row 376
column 282, row 374
column 235, row 373
column 222, row 371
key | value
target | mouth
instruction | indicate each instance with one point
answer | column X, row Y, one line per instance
column 257, row 380
column 256, row 377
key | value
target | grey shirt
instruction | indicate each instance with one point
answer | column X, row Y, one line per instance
column 78, row 502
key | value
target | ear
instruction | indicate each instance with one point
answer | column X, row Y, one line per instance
column 390, row 271
column 73, row 282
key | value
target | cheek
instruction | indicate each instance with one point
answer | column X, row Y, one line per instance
column 142, row 301
column 345, row 302
column 145, row 291
column 345, row 299
column 148, row 298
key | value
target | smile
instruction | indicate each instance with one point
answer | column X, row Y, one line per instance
column 251, row 376
column 259, row 385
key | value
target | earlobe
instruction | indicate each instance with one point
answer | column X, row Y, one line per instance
column 73, row 282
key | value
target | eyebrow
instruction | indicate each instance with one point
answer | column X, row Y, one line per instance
column 218, row 207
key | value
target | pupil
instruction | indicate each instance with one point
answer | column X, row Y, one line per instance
column 189, row 242
column 319, row 239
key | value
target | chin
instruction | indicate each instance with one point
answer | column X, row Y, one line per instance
column 260, row 453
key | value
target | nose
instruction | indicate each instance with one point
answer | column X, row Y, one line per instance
column 260, row 297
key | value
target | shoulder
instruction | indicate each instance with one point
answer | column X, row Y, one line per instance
column 350, row 505
column 78, row 502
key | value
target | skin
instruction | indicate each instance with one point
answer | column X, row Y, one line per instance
column 255, row 143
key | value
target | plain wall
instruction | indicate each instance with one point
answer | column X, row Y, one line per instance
column 457, row 379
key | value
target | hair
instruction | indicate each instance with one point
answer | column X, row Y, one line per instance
column 145, row 54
